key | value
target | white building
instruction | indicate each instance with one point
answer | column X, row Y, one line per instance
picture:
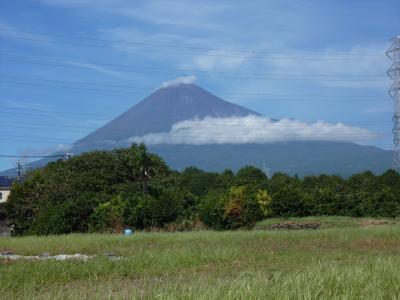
column 4, row 193
column 5, row 187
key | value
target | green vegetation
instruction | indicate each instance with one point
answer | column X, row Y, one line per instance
column 327, row 222
column 351, row 258
column 106, row 191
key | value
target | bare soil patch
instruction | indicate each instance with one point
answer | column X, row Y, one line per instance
column 294, row 226
column 373, row 222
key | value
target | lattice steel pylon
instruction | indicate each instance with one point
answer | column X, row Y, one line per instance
column 394, row 73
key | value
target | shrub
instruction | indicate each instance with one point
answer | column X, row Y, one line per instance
column 155, row 210
column 383, row 203
column 239, row 206
column 264, row 202
column 212, row 209
column 109, row 216
column 235, row 206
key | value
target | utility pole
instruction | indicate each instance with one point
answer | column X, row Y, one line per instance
column 67, row 156
column 19, row 171
column 394, row 73
column 266, row 171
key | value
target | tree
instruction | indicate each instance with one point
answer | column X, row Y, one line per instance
column 288, row 202
column 199, row 182
column 142, row 165
column 53, row 199
column 383, row 203
column 212, row 209
column 109, row 216
column 250, row 175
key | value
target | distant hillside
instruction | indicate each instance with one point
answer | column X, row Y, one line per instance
column 301, row 158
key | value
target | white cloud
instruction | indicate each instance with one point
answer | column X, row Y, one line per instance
column 177, row 13
column 356, row 67
column 381, row 109
column 63, row 148
column 253, row 129
column 184, row 14
column 177, row 81
column 220, row 59
column 16, row 35
column 25, row 105
column 6, row 27
column 97, row 68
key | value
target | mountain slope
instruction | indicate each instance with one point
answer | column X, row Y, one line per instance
column 162, row 109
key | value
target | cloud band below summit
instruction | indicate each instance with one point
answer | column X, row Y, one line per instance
column 253, row 129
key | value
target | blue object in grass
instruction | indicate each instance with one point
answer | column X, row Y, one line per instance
column 128, row 231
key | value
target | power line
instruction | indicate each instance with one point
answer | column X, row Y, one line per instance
column 35, row 138
column 227, row 75
column 196, row 134
column 182, row 46
column 55, row 126
column 277, row 97
column 67, row 155
column 323, row 79
column 69, row 130
column 214, row 54
column 102, row 84
column 70, row 62
column 44, row 129
column 29, row 156
column 36, row 111
column 17, row 111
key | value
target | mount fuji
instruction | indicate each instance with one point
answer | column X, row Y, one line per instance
column 168, row 106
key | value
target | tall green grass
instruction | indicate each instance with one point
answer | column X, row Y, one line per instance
column 338, row 262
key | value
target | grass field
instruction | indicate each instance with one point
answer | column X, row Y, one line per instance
column 346, row 259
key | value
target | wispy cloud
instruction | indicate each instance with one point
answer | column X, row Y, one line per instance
column 15, row 33
column 253, row 129
column 357, row 67
column 5, row 27
column 25, row 105
column 176, row 13
column 96, row 68
column 381, row 109
column 60, row 148
column 219, row 60
column 177, row 81
column 46, row 151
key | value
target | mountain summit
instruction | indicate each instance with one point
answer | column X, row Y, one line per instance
column 163, row 108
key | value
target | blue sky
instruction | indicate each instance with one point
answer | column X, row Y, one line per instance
column 69, row 66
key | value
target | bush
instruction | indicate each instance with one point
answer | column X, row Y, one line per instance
column 212, row 209
column 155, row 211
column 383, row 203
column 109, row 216
column 239, row 206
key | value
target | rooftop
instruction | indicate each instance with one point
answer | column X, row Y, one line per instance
column 5, row 182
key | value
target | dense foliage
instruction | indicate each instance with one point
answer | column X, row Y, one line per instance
column 111, row 190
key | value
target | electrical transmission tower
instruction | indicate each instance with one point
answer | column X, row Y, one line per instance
column 394, row 73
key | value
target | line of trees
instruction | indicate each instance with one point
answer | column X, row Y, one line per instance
column 110, row 190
